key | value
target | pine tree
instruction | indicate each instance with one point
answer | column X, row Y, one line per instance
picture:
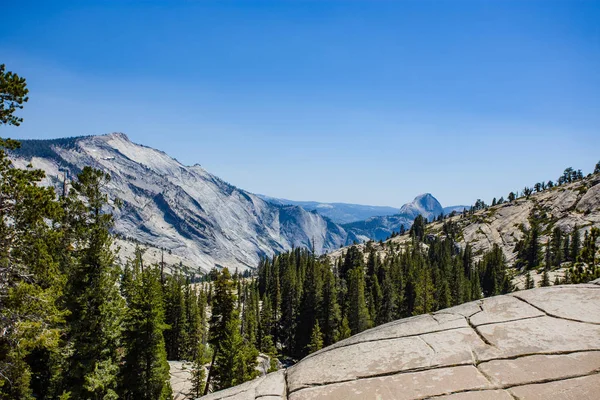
column 198, row 378
column 265, row 337
column 529, row 284
column 95, row 315
column 316, row 339
column 175, row 318
column 13, row 92
column 31, row 279
column 145, row 372
column 545, row 279
column 424, row 290
column 235, row 361
column 556, row 247
column 344, row 329
column 575, row 244
column 330, row 309
column 358, row 314
column 222, row 313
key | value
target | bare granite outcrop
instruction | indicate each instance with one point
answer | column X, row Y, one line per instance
column 536, row 344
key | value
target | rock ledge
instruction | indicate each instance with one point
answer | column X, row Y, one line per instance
column 536, row 344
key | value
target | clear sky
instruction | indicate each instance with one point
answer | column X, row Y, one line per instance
column 369, row 102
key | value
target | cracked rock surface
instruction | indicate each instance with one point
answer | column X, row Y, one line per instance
column 536, row 344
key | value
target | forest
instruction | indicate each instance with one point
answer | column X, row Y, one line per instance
column 76, row 324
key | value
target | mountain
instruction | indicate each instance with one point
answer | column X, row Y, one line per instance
column 198, row 218
column 425, row 205
column 569, row 206
column 340, row 213
column 381, row 227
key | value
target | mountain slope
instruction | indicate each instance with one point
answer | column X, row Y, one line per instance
column 186, row 210
column 568, row 206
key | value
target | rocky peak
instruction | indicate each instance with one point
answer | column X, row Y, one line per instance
column 424, row 204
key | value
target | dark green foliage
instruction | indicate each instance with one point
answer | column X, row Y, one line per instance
column 417, row 230
column 316, row 339
column 234, row 358
column 529, row 249
column 358, row 314
column 145, row 372
column 529, row 284
column 31, row 282
column 175, row 318
column 13, row 93
column 95, row 315
column 368, row 289
column 575, row 244
column 495, row 279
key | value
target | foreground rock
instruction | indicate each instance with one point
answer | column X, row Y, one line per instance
column 537, row 344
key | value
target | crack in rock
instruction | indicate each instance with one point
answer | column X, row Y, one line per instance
column 553, row 315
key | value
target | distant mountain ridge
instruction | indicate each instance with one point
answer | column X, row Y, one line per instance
column 347, row 213
column 201, row 220
column 183, row 209
column 363, row 222
column 340, row 213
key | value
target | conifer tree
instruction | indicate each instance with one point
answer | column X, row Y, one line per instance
column 95, row 315
column 31, row 280
column 344, row 329
column 358, row 314
column 330, row 309
column 235, row 361
column 529, row 284
column 145, row 372
column 575, row 244
column 198, row 378
column 316, row 339
column 175, row 318
column 545, row 278
column 424, row 290
column 265, row 337
column 223, row 306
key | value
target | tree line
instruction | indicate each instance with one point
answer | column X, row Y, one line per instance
column 309, row 302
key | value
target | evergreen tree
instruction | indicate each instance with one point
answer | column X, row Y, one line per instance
column 545, row 279
column 358, row 314
column 424, row 291
column 330, row 309
column 575, row 244
column 417, row 230
column 265, row 337
column 529, row 284
column 95, row 315
column 316, row 339
column 175, row 318
column 13, row 93
column 145, row 372
column 31, row 279
column 556, row 247
column 223, row 306
column 344, row 329
column 235, row 361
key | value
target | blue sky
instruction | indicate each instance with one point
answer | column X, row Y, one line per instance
column 368, row 102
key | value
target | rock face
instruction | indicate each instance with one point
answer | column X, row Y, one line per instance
column 200, row 219
column 570, row 206
column 536, row 344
